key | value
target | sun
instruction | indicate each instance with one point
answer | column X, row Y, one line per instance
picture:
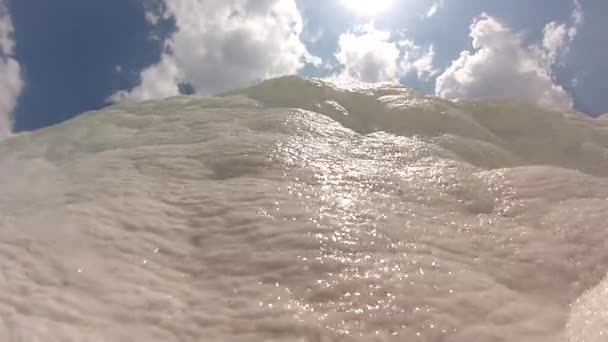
column 367, row 8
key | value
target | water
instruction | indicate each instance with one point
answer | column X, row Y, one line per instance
column 297, row 210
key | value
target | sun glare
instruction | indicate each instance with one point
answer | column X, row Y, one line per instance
column 367, row 8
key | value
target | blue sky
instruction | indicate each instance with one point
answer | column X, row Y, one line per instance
column 63, row 57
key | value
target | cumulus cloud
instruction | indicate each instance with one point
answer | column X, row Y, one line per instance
column 558, row 36
column 220, row 44
column 157, row 81
column 418, row 60
column 366, row 54
column 11, row 83
column 501, row 66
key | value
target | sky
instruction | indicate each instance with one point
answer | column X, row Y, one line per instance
column 64, row 57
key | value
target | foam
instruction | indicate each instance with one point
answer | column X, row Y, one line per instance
column 298, row 210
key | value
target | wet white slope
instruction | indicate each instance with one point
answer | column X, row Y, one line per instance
column 306, row 213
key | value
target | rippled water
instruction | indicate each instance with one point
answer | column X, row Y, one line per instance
column 297, row 210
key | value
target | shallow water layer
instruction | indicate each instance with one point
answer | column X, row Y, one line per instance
column 297, row 210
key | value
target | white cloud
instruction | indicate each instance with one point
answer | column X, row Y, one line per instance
column 501, row 66
column 424, row 65
column 11, row 83
column 312, row 33
column 222, row 44
column 6, row 30
column 419, row 60
column 157, row 81
column 152, row 18
column 557, row 36
column 366, row 54
column 435, row 7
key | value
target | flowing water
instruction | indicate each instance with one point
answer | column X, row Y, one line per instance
column 297, row 210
